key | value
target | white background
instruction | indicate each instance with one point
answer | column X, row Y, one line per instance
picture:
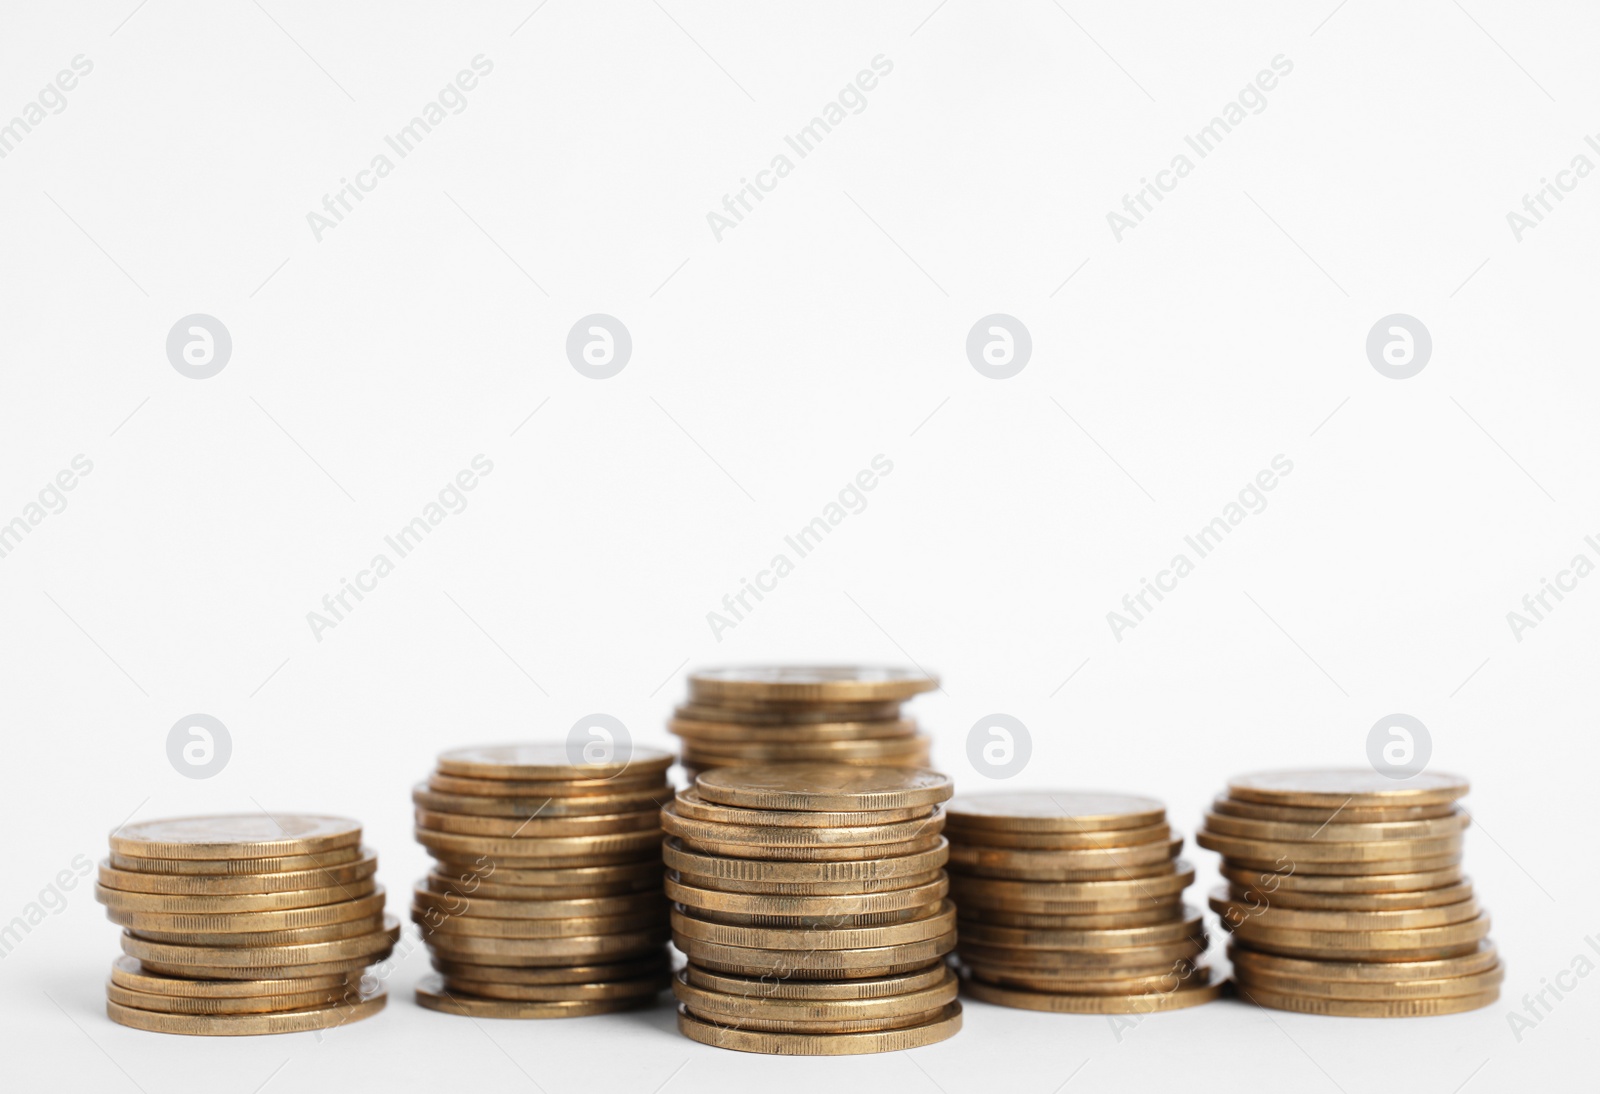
column 768, row 368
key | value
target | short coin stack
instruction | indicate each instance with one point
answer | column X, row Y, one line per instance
column 243, row 924
column 545, row 898
column 1072, row 901
column 1345, row 894
column 810, row 901
column 835, row 714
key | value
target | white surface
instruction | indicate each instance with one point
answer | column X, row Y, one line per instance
column 793, row 351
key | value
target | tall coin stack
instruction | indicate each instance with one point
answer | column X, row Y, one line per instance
column 810, row 902
column 1345, row 894
column 545, row 896
column 243, row 924
column 1072, row 901
column 836, row 714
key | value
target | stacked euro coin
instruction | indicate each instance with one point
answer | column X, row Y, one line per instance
column 810, row 902
column 545, row 899
column 1072, row 901
column 836, row 714
column 243, row 924
column 1345, row 894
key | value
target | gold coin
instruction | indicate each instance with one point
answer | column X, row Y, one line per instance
column 1399, row 989
column 275, row 972
column 826, row 853
column 708, row 1002
column 905, row 751
column 127, row 972
column 860, row 835
column 556, row 993
column 242, row 1004
column 232, row 1025
column 821, row 1044
column 538, row 827
column 463, row 873
column 239, row 835
column 553, row 848
column 1115, row 982
column 309, row 953
column 1060, row 961
column 1350, row 902
column 1059, row 841
column 826, row 888
column 1311, row 853
column 1054, row 811
column 809, row 684
column 587, row 806
column 1186, row 996
column 1074, row 897
column 826, row 1027
column 1361, row 787
column 770, row 988
column 200, row 904
column 229, row 867
column 1023, row 938
column 761, row 904
column 769, row 715
column 800, row 938
column 1049, row 865
column 691, row 806
column 432, row 994
column 293, row 936
column 286, row 919
column 436, row 925
column 700, row 731
column 824, row 787
column 560, row 789
column 817, row 922
column 1337, row 832
column 1342, row 943
column 1289, row 879
column 456, row 902
column 656, row 965
column 816, row 964
column 1322, row 814
column 132, row 881
column 547, row 760
column 439, row 883
column 1158, row 913
column 469, row 949
column 691, row 861
column 1477, row 959
column 1369, row 1008
column 1269, row 915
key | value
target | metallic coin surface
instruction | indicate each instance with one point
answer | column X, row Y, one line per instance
column 823, row 787
column 235, row 1025
column 809, row 683
column 1054, row 811
column 237, row 835
column 1356, row 786
column 547, row 760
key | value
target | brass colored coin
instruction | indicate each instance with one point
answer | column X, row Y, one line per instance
column 1399, row 989
column 1074, row 897
column 1186, row 996
column 348, row 965
column 816, row 964
column 809, row 684
column 824, row 787
column 1339, row 831
column 691, row 861
column 1310, row 852
column 1178, row 975
column 439, row 883
column 778, row 715
column 473, row 805
column 824, row 853
column 692, row 927
column 584, row 949
column 539, row 827
column 557, row 993
column 1054, row 811
column 1060, row 961
column 547, row 760
column 1270, row 916
column 710, row 732
column 824, row 888
column 906, row 750
column 821, row 1044
column 760, row 989
column 752, row 904
column 466, row 872
column 126, row 972
column 241, row 1004
column 656, row 965
column 230, row 867
column 133, row 881
column 437, row 926
column 1049, row 865
column 1360, row 787
column 202, row 904
column 690, row 806
column 709, row 1003
column 560, row 789
column 432, row 994
column 1059, row 841
column 553, row 848
column 817, row 922
column 1351, row 902
column 286, row 919
column 1337, row 943
column 1369, row 1008
column 860, row 835
column 250, row 956
column 1476, row 960
column 294, row 936
column 232, row 1025
column 1322, row 814
column 1348, row 877
column 1159, row 913
column 239, row 835
column 1023, row 938
column 831, row 1027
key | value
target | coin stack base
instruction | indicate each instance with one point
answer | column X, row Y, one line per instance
column 1345, row 895
column 545, row 896
column 811, row 904
column 250, row 924
column 1072, row 902
column 833, row 714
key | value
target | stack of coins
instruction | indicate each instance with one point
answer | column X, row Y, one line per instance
column 545, row 897
column 810, row 901
column 1072, row 901
column 1345, row 894
column 835, row 714
column 243, row 924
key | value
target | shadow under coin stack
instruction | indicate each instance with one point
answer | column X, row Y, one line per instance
column 810, row 901
column 545, row 897
column 1345, row 894
column 243, row 924
column 801, row 714
column 1072, row 901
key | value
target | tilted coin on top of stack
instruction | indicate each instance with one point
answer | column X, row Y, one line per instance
column 545, row 897
column 243, row 924
column 1072, row 901
column 1345, row 894
column 845, row 714
column 810, row 902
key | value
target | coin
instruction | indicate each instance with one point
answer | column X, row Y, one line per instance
column 738, row 1005
column 1317, row 852
column 436, row 926
column 809, row 683
column 432, row 994
column 227, row 867
column 131, row 881
column 821, row 853
column 1054, row 811
column 1370, row 1008
column 544, row 788
column 655, row 965
column 711, row 732
column 1104, row 938
column 823, row 787
column 206, row 904
column 692, row 861
column 547, row 760
column 538, row 827
column 1324, row 941
column 1351, row 902
column 242, row 1004
column 757, row 988
column 583, row 949
column 240, row 835
column 1073, row 897
column 1475, row 961
column 265, row 972
column 1335, row 787
column 821, row 1044
column 800, row 938
column 1179, row 974
column 229, row 922
column 1288, row 879
column 327, row 932
column 1405, row 989
column 476, row 805
column 816, row 964
column 691, row 806
column 557, row 993
column 1269, row 915
column 1045, row 865
column 765, row 714
column 1062, row 1003
column 1158, row 913
column 825, row 888
column 127, row 972
column 1322, row 814
column 762, row 904
column 1095, row 962
column 309, row 953
column 787, row 836
column 357, row 1007
column 1063, row 841
column 553, row 849
column 1336, row 832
